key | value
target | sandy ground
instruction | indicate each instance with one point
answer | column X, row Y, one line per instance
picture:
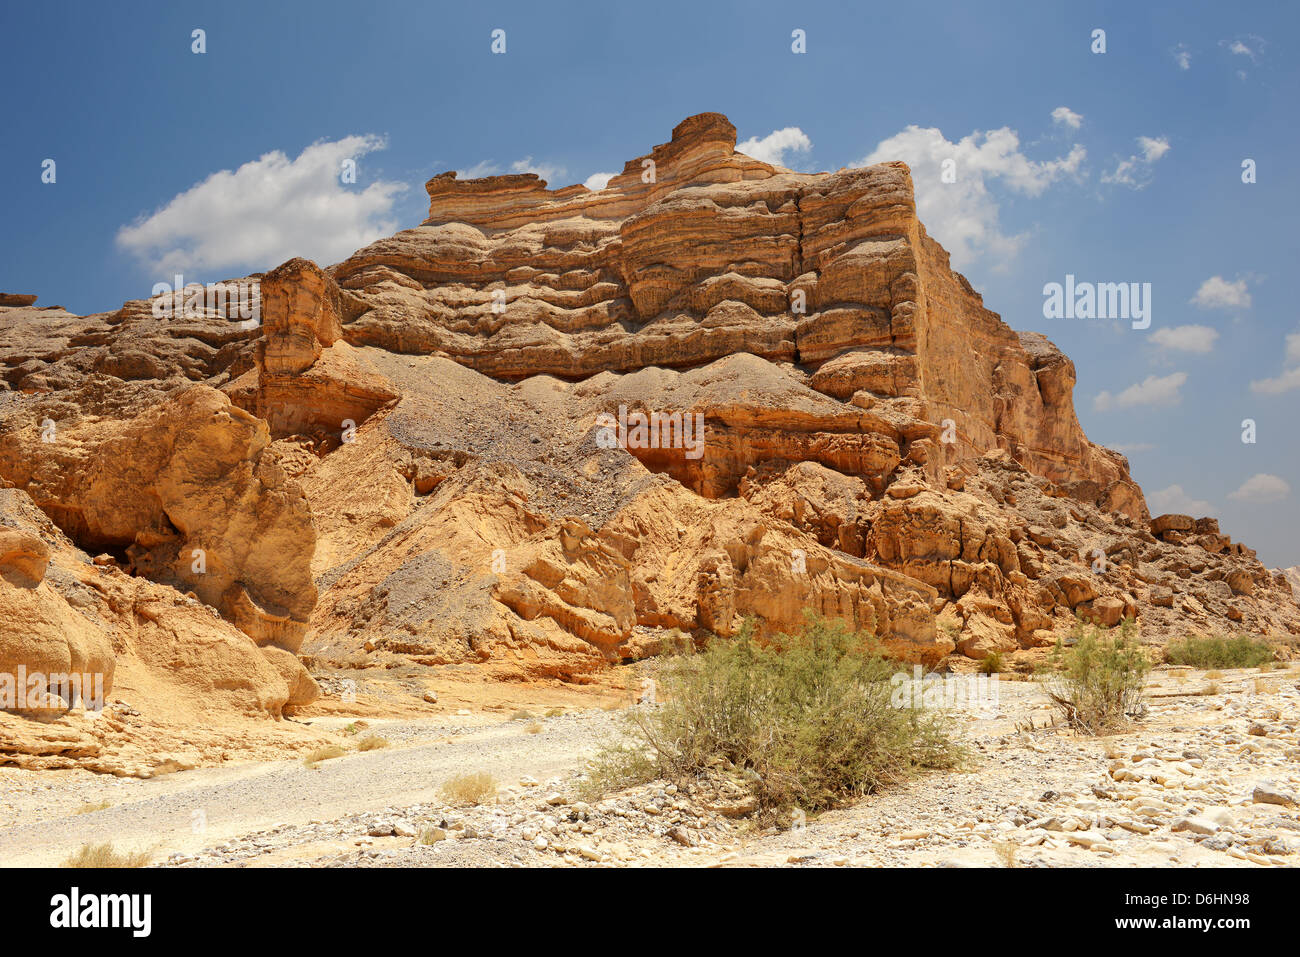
column 1181, row 789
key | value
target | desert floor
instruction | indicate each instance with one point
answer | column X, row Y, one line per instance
column 1206, row 779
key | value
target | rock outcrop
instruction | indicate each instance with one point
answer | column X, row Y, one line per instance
column 1292, row 577
column 719, row 254
column 87, row 638
column 184, row 487
column 546, row 428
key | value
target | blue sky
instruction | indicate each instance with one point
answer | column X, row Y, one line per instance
column 1137, row 179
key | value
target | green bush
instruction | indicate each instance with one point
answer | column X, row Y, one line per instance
column 806, row 721
column 1096, row 683
column 1219, row 652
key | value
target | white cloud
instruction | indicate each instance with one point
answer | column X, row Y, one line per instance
column 1136, row 171
column 1174, row 500
column 1217, row 293
column 1249, row 46
column 479, row 170
column 598, row 181
column 1186, row 338
column 1262, row 489
column 267, row 211
column 1151, row 391
column 1067, row 117
column 773, row 147
column 546, row 171
column 1290, row 377
column 1288, row 380
column 964, row 215
column 1153, row 148
column 1183, row 57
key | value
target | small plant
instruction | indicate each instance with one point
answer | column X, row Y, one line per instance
column 355, row 727
column 522, row 715
column 1216, row 651
column 103, row 855
column 805, row 720
column 554, row 713
column 1007, row 853
column 1267, row 685
column 1096, row 684
column 92, row 808
column 473, row 788
column 534, row 728
column 372, row 742
column 325, row 753
column 991, row 664
column 1210, row 690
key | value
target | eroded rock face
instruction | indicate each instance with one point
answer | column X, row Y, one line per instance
column 1290, row 576
column 720, row 255
column 307, row 379
column 183, row 669
column 184, row 487
column 421, row 436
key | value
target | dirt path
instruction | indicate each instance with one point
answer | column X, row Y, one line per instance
column 191, row 810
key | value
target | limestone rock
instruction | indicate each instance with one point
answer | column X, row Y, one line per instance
column 186, row 488
column 546, row 428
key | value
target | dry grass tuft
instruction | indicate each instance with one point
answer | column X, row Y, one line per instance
column 103, row 855
column 326, row 753
column 473, row 788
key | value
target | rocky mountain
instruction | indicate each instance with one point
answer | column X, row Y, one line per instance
column 545, row 428
column 1292, row 575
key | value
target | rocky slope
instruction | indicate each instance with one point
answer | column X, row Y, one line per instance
column 420, row 454
column 1292, row 575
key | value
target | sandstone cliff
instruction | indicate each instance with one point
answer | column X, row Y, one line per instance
column 411, row 457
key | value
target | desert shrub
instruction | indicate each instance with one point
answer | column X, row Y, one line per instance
column 323, row 754
column 103, row 855
column 806, row 720
column 92, row 808
column 474, row 788
column 522, row 715
column 991, row 664
column 1215, row 651
column 534, row 728
column 1096, row 683
column 372, row 742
